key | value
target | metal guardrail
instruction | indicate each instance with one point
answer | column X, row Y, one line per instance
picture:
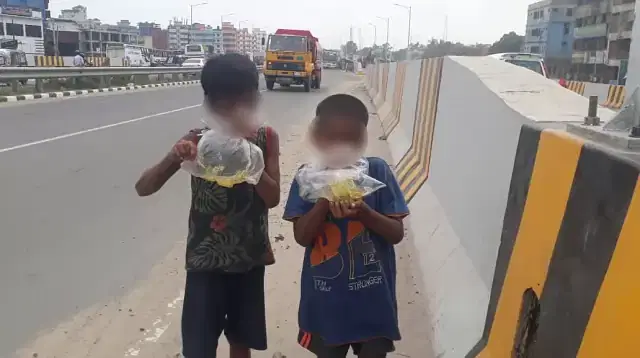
column 96, row 77
column 23, row 73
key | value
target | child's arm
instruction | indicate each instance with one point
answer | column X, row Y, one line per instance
column 385, row 218
column 307, row 217
column 269, row 185
column 389, row 228
column 155, row 177
column 307, row 227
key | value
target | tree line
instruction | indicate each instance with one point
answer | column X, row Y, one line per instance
column 509, row 42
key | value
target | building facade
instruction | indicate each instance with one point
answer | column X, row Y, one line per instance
column 550, row 29
column 94, row 37
column 244, row 41
column 258, row 41
column 24, row 21
column 603, row 30
column 229, row 37
column 180, row 34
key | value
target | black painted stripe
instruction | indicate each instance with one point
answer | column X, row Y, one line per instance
column 21, row 98
column 518, row 191
column 53, row 95
column 37, row 96
column 597, row 207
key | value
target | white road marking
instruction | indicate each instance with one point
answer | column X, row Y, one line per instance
column 159, row 326
column 69, row 135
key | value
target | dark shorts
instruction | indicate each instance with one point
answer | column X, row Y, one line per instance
column 374, row 348
column 232, row 303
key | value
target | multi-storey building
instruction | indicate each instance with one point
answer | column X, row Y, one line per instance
column 181, row 34
column 258, row 36
column 24, row 21
column 550, row 32
column 244, row 41
column 159, row 37
column 206, row 35
column 602, row 38
column 229, row 37
column 94, row 36
column 178, row 34
column 619, row 35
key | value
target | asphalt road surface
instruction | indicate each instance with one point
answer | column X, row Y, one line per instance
column 87, row 268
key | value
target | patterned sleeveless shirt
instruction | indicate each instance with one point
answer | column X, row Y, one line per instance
column 228, row 227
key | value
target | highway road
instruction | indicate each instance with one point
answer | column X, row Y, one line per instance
column 81, row 256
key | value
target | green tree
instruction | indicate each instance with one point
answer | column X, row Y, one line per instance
column 510, row 42
column 351, row 48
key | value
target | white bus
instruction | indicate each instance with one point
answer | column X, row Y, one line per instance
column 198, row 50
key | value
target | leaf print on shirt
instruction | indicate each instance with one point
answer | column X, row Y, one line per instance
column 209, row 198
column 219, row 223
column 208, row 255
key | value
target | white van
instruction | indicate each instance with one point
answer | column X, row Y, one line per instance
column 531, row 61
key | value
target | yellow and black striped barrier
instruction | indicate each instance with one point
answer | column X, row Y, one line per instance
column 98, row 61
column 393, row 118
column 413, row 169
column 615, row 97
column 382, row 91
column 49, row 61
column 576, row 86
column 565, row 282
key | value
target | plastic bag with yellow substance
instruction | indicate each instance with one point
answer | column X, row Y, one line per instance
column 225, row 160
column 348, row 184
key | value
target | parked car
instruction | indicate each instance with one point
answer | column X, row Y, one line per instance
column 532, row 61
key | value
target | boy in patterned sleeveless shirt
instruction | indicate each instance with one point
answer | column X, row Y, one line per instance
column 228, row 244
column 348, row 296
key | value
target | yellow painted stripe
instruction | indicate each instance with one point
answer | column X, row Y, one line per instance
column 427, row 86
column 420, row 174
column 613, row 326
column 396, row 111
column 551, row 181
column 401, row 167
column 425, row 116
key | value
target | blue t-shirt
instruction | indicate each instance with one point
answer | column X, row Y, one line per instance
column 349, row 273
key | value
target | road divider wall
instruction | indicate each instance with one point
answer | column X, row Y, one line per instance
column 65, row 61
column 609, row 96
column 517, row 224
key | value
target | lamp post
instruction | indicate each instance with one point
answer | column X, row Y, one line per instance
column 408, row 8
column 191, row 18
column 375, row 33
column 386, row 45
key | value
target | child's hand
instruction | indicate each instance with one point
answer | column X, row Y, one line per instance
column 346, row 209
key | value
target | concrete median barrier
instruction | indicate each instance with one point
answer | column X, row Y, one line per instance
column 515, row 222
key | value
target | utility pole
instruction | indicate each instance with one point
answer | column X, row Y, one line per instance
column 386, row 45
column 375, row 33
column 191, row 19
column 408, row 8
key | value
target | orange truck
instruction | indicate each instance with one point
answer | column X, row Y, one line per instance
column 293, row 57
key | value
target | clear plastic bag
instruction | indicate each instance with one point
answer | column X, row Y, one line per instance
column 226, row 160
column 352, row 183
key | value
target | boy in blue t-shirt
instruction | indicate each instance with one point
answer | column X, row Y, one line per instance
column 348, row 297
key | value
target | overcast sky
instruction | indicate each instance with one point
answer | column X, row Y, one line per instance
column 469, row 21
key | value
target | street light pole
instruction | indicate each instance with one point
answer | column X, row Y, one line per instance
column 408, row 8
column 375, row 33
column 386, row 45
column 191, row 18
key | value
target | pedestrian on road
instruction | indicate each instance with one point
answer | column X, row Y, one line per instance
column 348, row 295
column 228, row 244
